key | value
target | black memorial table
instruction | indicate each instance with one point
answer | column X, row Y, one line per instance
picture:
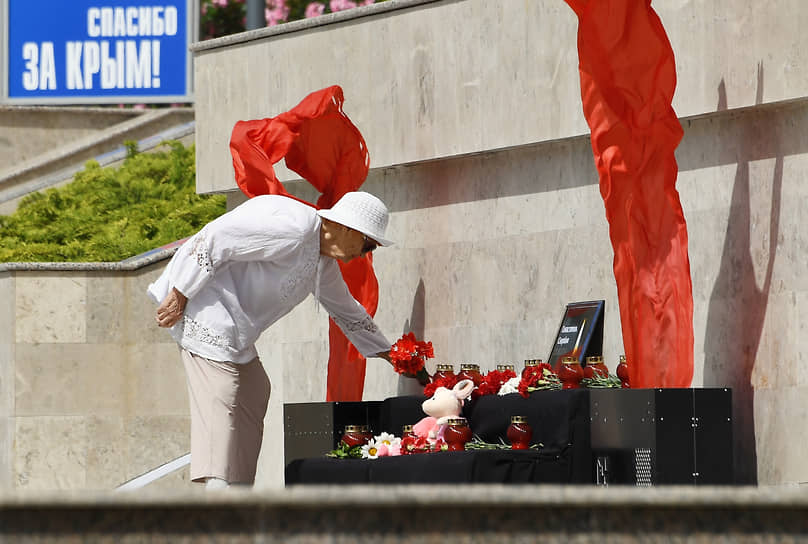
column 614, row 436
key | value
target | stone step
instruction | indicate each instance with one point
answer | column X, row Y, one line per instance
column 418, row 513
column 58, row 165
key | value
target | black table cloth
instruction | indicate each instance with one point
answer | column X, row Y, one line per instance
column 479, row 466
column 560, row 422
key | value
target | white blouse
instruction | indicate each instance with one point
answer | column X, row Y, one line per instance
column 248, row 268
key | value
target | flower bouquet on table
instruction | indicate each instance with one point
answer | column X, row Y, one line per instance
column 539, row 378
column 409, row 356
column 411, row 445
column 600, row 381
column 382, row 445
column 597, row 376
column 492, row 382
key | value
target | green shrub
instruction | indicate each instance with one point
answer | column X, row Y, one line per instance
column 110, row 214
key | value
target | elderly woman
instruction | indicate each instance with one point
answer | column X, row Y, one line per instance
column 230, row 282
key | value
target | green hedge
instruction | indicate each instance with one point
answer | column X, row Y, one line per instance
column 110, row 214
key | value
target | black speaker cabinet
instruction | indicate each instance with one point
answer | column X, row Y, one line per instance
column 661, row 436
column 312, row 429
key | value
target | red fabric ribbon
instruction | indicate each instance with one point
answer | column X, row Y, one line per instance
column 628, row 77
column 322, row 145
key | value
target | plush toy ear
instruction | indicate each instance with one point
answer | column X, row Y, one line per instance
column 463, row 389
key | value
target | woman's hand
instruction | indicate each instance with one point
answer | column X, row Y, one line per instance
column 171, row 309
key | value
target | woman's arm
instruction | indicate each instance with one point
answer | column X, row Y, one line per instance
column 348, row 314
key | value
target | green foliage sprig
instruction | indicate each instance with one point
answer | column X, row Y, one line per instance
column 343, row 451
column 598, row 381
column 110, row 214
column 477, row 443
column 549, row 382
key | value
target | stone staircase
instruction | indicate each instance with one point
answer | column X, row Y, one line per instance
column 29, row 168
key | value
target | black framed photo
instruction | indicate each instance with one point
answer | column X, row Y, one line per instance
column 580, row 334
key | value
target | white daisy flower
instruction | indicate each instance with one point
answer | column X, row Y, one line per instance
column 370, row 450
column 388, row 440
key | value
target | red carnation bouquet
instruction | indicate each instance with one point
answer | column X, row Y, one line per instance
column 411, row 445
column 537, row 378
column 409, row 356
column 492, row 382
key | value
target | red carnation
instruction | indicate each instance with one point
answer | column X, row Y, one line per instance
column 448, row 382
column 409, row 355
column 408, row 445
column 492, row 382
column 530, row 381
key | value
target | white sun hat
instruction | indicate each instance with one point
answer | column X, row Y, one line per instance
column 363, row 212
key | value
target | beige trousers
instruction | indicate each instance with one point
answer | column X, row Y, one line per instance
column 228, row 404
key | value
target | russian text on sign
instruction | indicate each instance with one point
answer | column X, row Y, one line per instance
column 113, row 22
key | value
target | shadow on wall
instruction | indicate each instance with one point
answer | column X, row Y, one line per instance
column 738, row 304
column 415, row 324
column 543, row 167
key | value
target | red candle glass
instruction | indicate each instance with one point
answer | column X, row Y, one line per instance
column 354, row 435
column 504, row 367
column 595, row 366
column 443, row 371
column 532, row 366
column 457, row 433
column 519, row 433
column 622, row 373
column 366, row 433
column 471, row 372
column 570, row 373
column 408, row 439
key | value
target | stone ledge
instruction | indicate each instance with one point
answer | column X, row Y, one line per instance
column 468, row 495
column 127, row 265
column 305, row 24
column 443, row 514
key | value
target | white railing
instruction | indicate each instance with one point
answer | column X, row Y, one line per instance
column 156, row 474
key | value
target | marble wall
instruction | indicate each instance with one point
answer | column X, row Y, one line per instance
column 743, row 191
column 427, row 79
column 7, row 345
column 92, row 393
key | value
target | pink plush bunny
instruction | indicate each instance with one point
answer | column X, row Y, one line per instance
column 442, row 406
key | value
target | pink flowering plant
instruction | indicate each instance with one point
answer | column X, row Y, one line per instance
column 223, row 17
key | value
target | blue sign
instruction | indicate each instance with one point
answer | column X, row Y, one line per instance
column 95, row 51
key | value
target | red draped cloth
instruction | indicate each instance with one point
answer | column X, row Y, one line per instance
column 320, row 144
column 628, row 77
